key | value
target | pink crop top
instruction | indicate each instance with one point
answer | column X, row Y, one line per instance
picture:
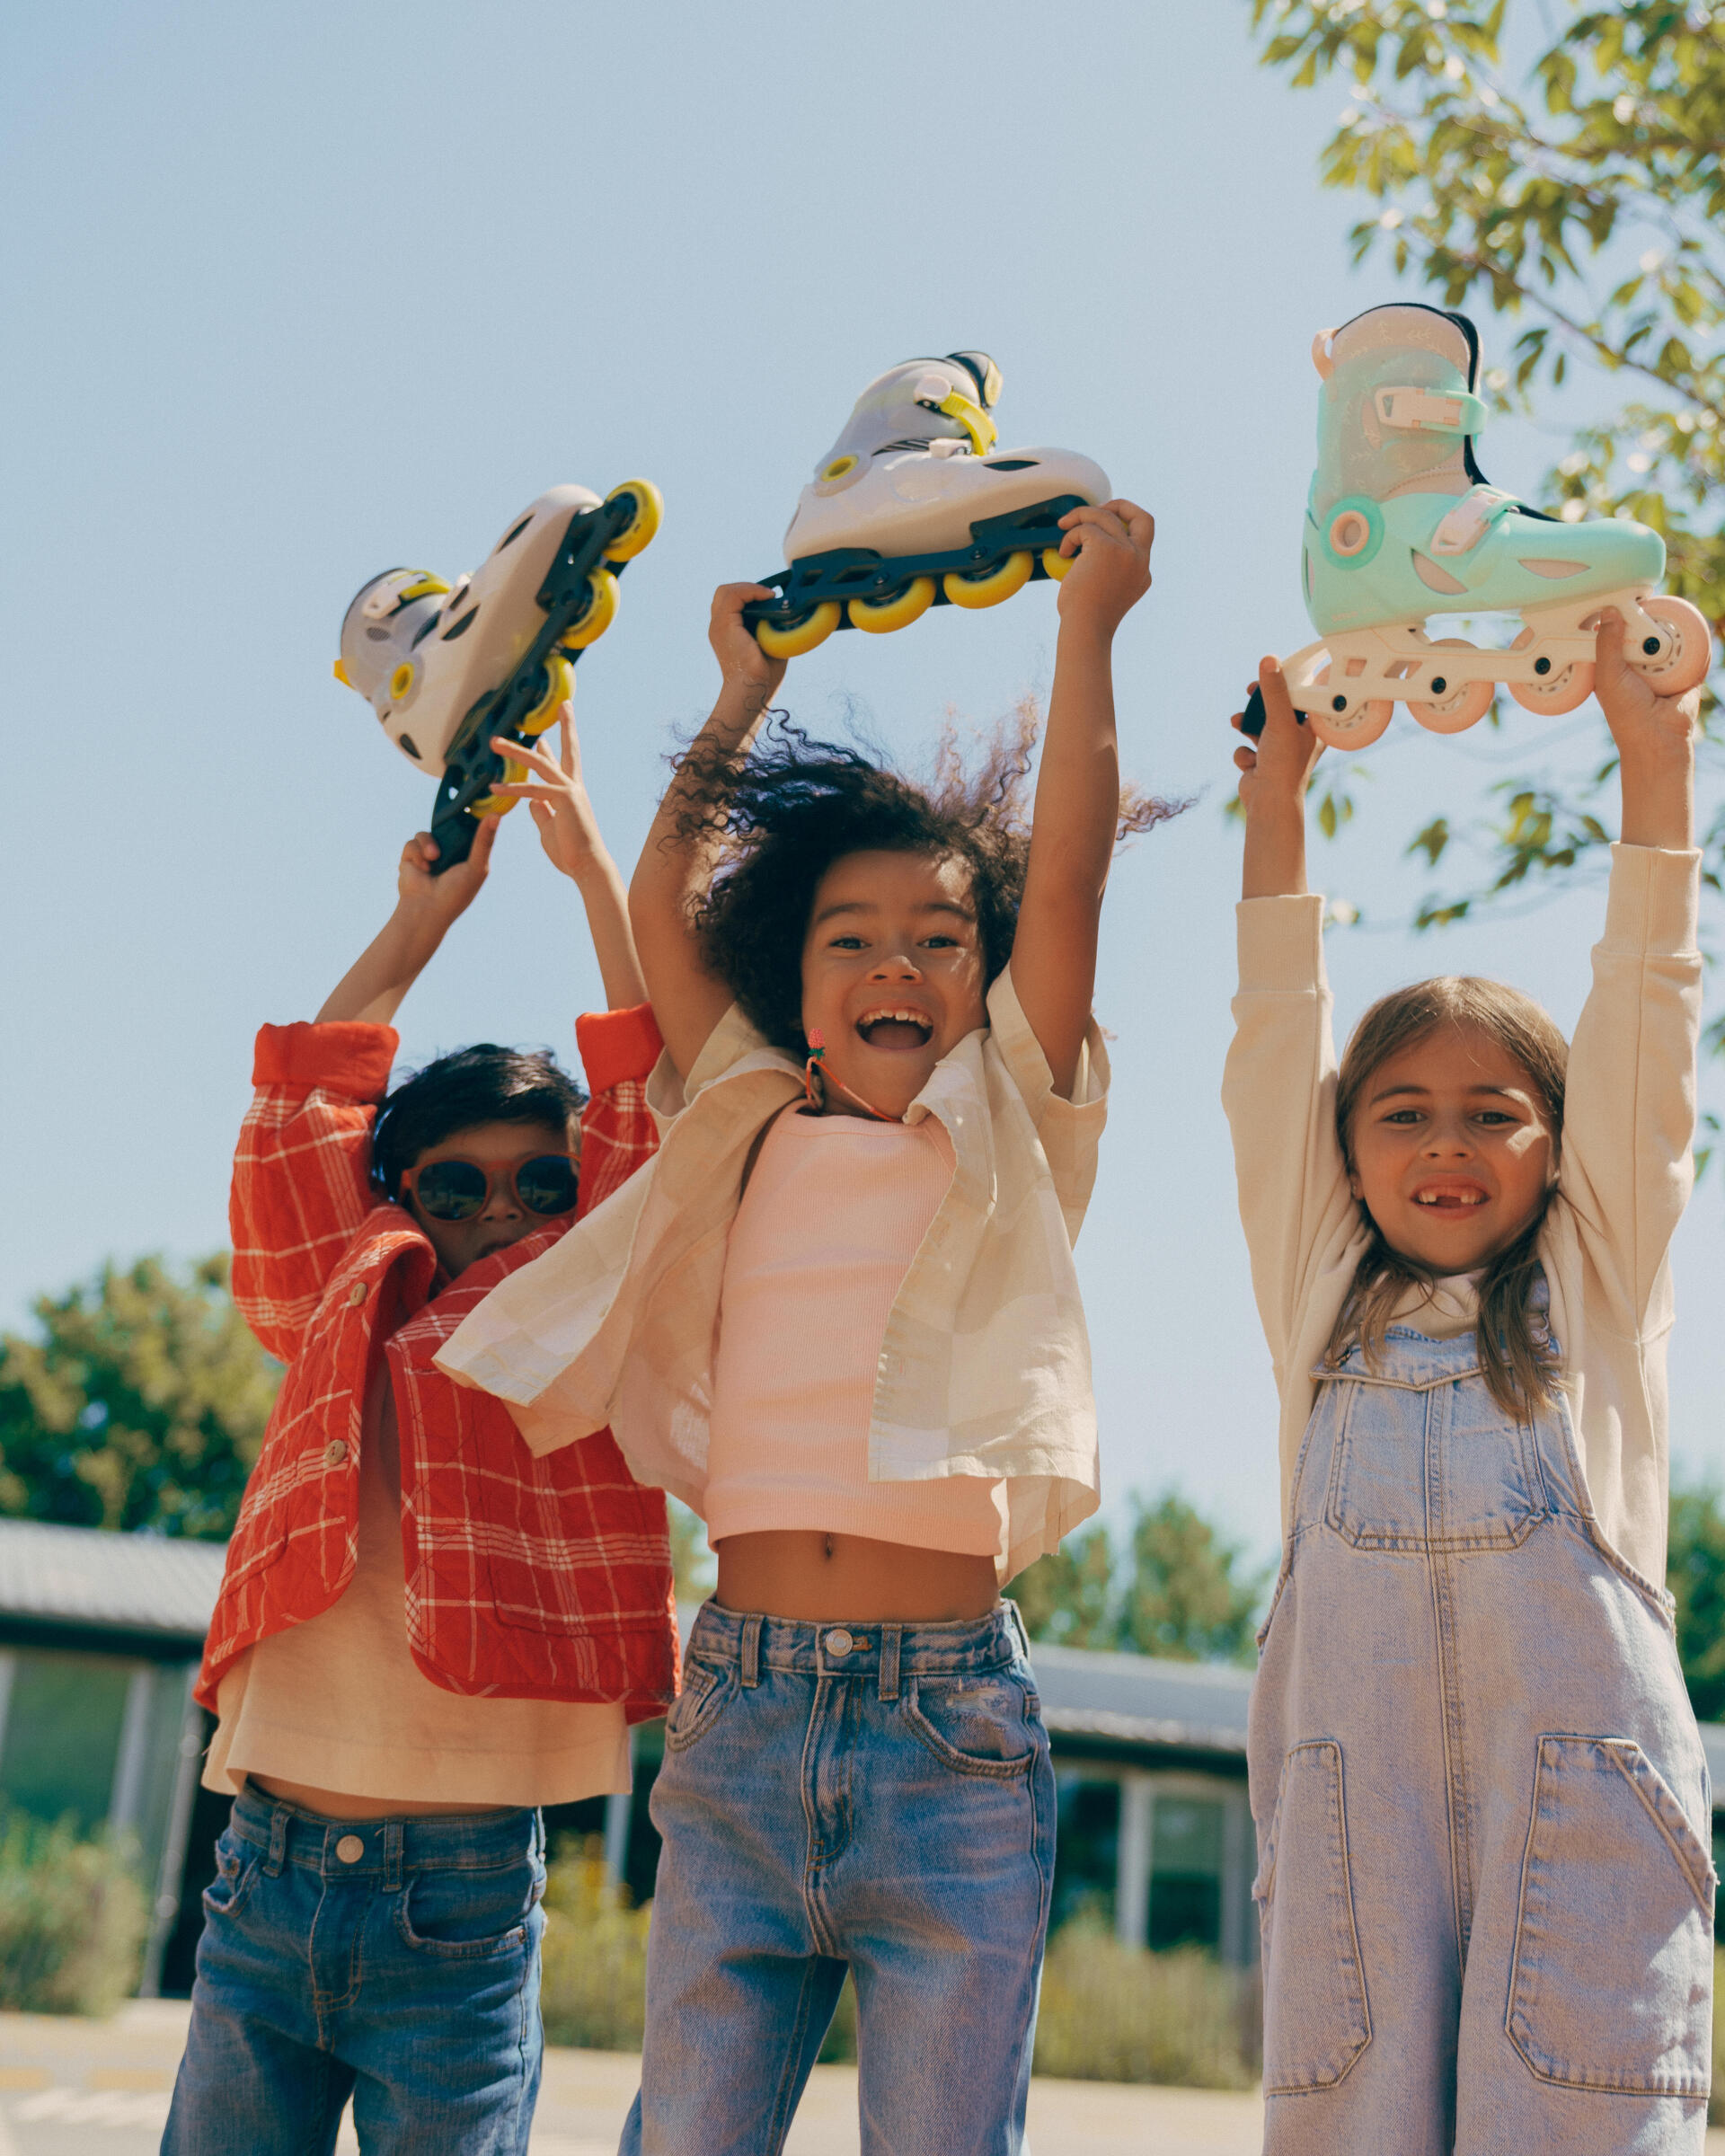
column 831, row 1219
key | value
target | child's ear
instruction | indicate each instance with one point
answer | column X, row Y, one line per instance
column 1354, row 1185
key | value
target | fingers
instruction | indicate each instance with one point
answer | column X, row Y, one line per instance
column 1608, row 650
column 530, row 753
column 480, row 858
column 1245, row 759
column 569, row 741
column 1278, row 706
column 419, row 851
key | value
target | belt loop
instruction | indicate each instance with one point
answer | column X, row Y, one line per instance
column 891, row 1637
column 393, row 1832
column 1018, row 1625
column 272, row 1863
column 752, row 1650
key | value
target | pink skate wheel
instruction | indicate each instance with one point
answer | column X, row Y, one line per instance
column 1558, row 693
column 1684, row 666
column 1453, row 714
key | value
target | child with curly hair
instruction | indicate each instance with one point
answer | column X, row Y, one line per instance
column 839, row 1316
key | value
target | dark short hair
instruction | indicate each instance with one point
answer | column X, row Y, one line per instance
column 783, row 815
column 479, row 1084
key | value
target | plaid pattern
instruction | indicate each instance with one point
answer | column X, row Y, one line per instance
column 525, row 1579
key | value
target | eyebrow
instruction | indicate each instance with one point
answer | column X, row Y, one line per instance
column 1393, row 1092
column 869, row 905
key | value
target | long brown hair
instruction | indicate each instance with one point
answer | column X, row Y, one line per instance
column 1516, row 1358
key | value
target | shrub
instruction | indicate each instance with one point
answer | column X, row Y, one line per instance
column 72, row 1920
column 593, row 1983
column 1116, row 2013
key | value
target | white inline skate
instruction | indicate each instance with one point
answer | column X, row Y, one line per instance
column 446, row 669
column 1401, row 527
column 911, row 508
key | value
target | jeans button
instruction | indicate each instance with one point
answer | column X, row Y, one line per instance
column 349, row 1848
column 839, row 1642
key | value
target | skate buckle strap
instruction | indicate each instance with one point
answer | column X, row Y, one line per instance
column 955, row 405
column 1425, row 411
column 1470, row 519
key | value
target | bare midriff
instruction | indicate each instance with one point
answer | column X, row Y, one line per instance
column 806, row 1573
column 334, row 1805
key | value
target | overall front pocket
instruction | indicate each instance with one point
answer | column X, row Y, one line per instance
column 1611, row 1987
column 1437, row 1467
column 1316, row 2019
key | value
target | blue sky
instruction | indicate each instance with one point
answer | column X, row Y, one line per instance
column 296, row 295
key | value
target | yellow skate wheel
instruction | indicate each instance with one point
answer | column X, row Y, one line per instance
column 898, row 611
column 798, row 636
column 1465, row 705
column 1684, row 666
column 560, row 685
column 643, row 527
column 1055, row 563
column 601, row 612
column 992, row 586
column 1557, row 693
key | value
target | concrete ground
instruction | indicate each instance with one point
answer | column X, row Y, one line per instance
column 72, row 2088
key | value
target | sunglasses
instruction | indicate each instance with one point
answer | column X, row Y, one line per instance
column 457, row 1189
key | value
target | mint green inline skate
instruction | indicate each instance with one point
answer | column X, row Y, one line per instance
column 1401, row 527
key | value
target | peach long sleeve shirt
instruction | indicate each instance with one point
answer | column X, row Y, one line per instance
column 1625, row 1170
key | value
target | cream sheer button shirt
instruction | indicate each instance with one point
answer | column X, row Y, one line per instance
column 985, row 1366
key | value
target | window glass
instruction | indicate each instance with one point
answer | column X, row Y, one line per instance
column 1087, row 1853
column 1186, row 1873
column 62, row 1736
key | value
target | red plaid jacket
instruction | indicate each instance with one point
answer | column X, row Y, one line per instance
column 525, row 1579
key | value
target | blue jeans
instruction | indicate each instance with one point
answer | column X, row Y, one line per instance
column 1482, row 1804
column 396, row 1960
column 875, row 1797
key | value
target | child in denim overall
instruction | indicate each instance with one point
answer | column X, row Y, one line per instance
column 1481, row 1802
column 839, row 1316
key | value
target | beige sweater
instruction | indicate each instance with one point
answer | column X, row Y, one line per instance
column 1625, row 1176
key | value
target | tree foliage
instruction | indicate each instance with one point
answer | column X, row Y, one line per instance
column 1696, row 1574
column 141, row 1404
column 1560, row 164
column 1177, row 1589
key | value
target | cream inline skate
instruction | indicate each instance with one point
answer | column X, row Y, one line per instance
column 447, row 667
column 911, row 508
column 1401, row 527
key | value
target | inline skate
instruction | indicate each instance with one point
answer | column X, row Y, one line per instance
column 445, row 668
column 910, row 508
column 1400, row 526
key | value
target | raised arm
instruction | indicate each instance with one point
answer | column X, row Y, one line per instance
column 1078, row 783
column 1629, row 1107
column 426, row 908
column 1279, row 1086
column 688, row 998
column 569, row 831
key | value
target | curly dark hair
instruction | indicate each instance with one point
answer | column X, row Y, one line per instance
column 784, row 814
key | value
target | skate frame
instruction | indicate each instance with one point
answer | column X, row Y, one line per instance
column 471, row 767
column 859, row 572
column 1353, row 667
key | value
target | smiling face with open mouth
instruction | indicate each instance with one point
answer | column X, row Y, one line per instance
column 1453, row 1149
column 892, row 975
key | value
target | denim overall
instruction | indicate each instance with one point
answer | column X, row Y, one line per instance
column 1485, row 1887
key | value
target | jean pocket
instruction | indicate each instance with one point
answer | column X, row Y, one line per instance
column 1611, row 1987
column 708, row 1688
column 1316, row 2020
column 986, row 1725
column 237, row 1865
column 463, row 1915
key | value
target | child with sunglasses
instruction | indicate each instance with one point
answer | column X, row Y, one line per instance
column 423, row 1633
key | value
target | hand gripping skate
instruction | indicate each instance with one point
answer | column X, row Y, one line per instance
column 910, row 509
column 446, row 669
column 1401, row 527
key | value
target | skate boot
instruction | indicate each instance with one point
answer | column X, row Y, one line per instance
column 447, row 668
column 910, row 508
column 1401, row 527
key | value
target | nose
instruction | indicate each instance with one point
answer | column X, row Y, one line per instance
column 897, row 966
column 502, row 1204
column 1447, row 1139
